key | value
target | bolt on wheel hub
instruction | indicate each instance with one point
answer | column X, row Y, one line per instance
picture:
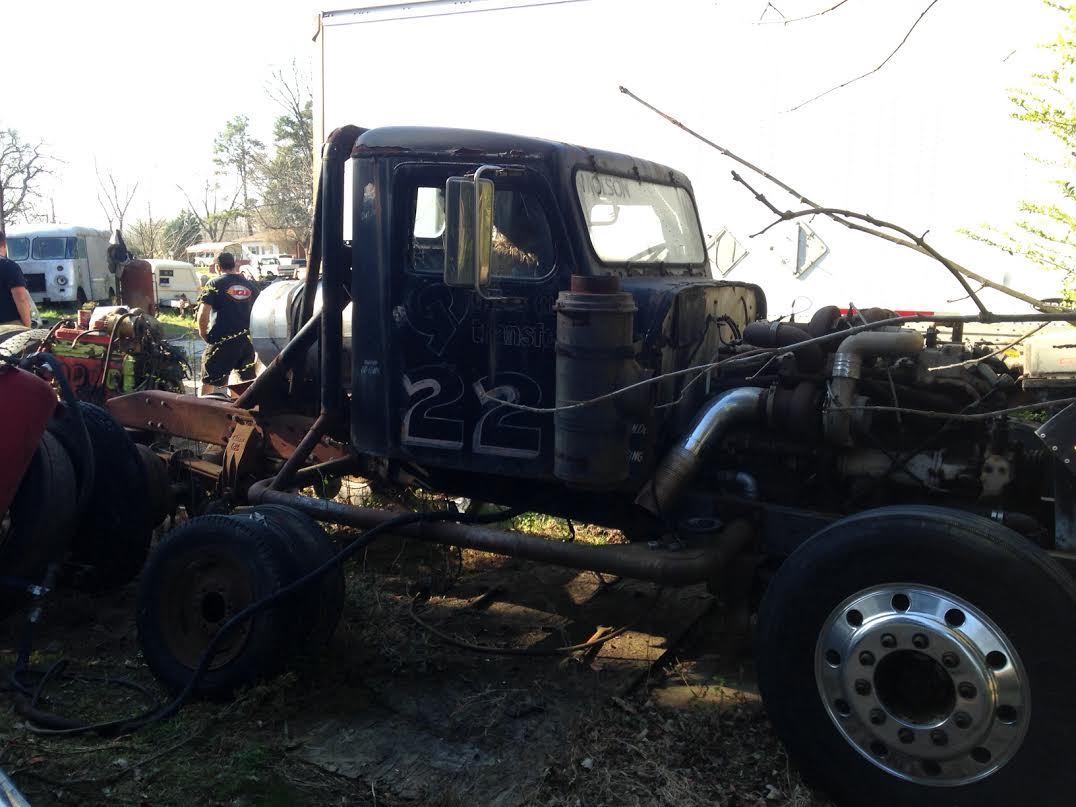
column 922, row 684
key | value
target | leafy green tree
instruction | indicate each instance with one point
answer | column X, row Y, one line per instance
column 1045, row 232
column 237, row 151
column 286, row 179
column 180, row 233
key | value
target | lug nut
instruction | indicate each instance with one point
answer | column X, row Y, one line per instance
column 866, row 658
column 920, row 641
column 889, row 641
column 962, row 720
column 877, row 717
column 967, row 691
column 863, row 687
column 906, row 736
column 951, row 660
column 939, row 737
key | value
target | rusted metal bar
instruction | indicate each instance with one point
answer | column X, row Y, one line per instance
column 693, row 564
column 293, row 352
column 208, row 420
column 286, row 474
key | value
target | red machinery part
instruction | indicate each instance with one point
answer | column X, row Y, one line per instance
column 26, row 404
column 137, row 289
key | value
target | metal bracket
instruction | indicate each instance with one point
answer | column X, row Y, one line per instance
column 241, row 455
column 1059, row 434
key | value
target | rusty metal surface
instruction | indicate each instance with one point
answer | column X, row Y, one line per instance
column 241, row 455
column 696, row 562
column 208, row 420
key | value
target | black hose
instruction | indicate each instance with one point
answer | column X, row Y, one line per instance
column 102, row 384
column 88, row 464
column 114, row 728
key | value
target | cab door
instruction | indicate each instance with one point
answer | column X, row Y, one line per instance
column 459, row 355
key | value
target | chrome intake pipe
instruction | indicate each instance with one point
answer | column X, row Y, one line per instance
column 679, row 466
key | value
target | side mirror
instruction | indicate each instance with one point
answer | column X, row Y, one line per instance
column 465, row 226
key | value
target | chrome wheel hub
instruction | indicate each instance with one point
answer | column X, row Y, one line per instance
column 922, row 684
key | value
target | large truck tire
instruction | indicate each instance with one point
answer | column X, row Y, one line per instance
column 324, row 600
column 37, row 527
column 201, row 575
column 114, row 532
column 22, row 343
column 919, row 655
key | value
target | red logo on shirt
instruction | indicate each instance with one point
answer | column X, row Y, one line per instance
column 238, row 292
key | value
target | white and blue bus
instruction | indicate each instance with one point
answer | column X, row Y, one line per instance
column 62, row 264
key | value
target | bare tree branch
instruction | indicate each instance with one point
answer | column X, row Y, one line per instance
column 113, row 199
column 768, row 6
column 837, row 214
column 852, row 225
column 800, row 19
column 21, row 166
column 869, row 72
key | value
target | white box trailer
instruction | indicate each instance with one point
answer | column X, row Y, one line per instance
column 921, row 143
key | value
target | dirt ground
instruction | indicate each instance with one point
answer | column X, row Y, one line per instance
column 663, row 714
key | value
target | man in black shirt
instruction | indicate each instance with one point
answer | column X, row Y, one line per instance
column 223, row 322
column 16, row 307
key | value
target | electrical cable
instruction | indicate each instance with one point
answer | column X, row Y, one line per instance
column 120, row 726
column 752, row 354
column 567, row 650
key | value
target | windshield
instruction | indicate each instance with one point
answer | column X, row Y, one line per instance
column 636, row 222
column 50, row 249
column 18, row 249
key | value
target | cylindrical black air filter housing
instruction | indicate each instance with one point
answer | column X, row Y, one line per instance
column 594, row 355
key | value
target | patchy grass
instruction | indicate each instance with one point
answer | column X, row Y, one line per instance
column 172, row 324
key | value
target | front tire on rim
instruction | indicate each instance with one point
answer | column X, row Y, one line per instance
column 918, row 655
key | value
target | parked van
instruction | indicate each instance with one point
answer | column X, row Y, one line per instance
column 174, row 280
column 62, row 264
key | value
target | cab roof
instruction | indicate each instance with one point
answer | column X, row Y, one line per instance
column 476, row 145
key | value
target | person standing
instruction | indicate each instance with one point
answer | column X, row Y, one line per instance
column 16, row 307
column 224, row 323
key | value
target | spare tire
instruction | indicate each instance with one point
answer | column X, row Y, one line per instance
column 114, row 533
column 202, row 574
column 23, row 342
column 325, row 599
column 37, row 527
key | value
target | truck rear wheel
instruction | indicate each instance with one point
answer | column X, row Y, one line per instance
column 324, row 601
column 917, row 655
column 114, row 533
column 37, row 527
column 200, row 576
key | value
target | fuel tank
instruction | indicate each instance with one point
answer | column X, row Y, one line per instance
column 274, row 320
column 26, row 404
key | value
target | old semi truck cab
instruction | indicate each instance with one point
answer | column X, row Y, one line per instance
column 434, row 355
